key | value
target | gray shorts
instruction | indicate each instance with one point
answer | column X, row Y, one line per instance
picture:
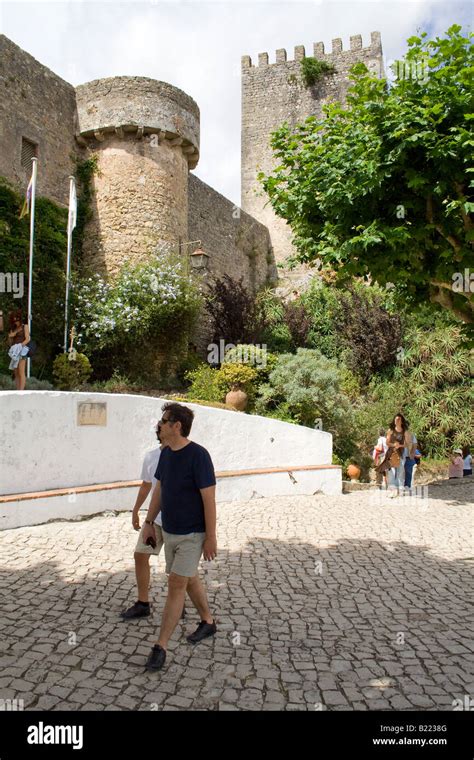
column 182, row 553
column 142, row 548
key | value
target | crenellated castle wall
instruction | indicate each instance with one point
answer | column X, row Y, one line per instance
column 274, row 92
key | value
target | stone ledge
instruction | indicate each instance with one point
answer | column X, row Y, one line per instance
column 136, row 483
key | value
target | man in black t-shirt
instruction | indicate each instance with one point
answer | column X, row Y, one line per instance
column 185, row 494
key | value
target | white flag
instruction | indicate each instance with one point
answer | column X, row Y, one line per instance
column 72, row 217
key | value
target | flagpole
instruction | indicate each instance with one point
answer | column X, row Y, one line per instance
column 30, row 268
column 71, row 223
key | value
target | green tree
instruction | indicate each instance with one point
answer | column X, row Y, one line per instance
column 383, row 188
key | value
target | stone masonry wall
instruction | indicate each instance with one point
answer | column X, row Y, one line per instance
column 36, row 104
column 237, row 244
column 275, row 92
column 139, row 202
column 146, row 135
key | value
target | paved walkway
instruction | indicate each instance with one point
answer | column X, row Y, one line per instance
column 330, row 603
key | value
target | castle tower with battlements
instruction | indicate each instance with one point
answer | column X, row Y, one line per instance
column 145, row 134
column 275, row 92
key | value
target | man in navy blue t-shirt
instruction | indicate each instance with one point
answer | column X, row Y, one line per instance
column 185, row 494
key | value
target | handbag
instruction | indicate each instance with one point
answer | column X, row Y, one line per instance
column 395, row 458
column 391, row 459
column 32, row 348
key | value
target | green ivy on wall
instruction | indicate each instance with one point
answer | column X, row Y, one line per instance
column 313, row 69
column 84, row 172
column 48, row 272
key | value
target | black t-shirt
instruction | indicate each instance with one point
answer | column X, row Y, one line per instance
column 181, row 474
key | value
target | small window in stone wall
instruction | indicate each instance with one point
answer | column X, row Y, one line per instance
column 28, row 151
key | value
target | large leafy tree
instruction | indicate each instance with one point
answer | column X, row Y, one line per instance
column 383, row 188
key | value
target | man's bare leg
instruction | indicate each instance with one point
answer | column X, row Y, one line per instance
column 198, row 596
column 142, row 573
column 177, row 585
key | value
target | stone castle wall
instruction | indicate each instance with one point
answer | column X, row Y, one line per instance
column 273, row 93
column 145, row 134
column 36, row 104
column 237, row 244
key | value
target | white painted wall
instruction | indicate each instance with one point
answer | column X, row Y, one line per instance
column 42, row 447
column 14, row 514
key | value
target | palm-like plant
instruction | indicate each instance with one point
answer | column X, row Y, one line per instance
column 439, row 390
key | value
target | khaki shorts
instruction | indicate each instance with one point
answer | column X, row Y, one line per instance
column 182, row 553
column 142, row 548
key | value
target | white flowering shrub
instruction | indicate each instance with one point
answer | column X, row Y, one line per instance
column 150, row 300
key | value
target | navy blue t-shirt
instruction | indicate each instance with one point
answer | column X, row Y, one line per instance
column 181, row 474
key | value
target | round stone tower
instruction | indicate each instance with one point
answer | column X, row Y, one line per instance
column 146, row 136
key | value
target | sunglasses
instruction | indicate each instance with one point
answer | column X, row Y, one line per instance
column 163, row 421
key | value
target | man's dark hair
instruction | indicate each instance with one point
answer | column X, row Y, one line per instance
column 179, row 413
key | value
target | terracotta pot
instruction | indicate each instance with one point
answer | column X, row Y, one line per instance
column 237, row 398
column 353, row 472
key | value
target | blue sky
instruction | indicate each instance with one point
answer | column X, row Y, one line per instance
column 197, row 46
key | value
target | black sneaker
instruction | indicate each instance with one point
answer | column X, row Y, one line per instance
column 137, row 610
column 156, row 658
column 203, row 631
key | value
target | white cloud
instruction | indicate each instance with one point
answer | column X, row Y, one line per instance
column 198, row 46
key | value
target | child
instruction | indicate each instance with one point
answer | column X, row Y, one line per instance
column 457, row 464
column 378, row 454
column 467, row 467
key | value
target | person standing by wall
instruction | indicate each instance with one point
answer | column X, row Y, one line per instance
column 467, row 464
column 456, row 467
column 185, row 495
column 410, row 461
column 398, row 439
column 19, row 335
column 378, row 454
column 143, row 551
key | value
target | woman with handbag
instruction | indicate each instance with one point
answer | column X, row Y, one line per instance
column 398, row 439
column 19, row 334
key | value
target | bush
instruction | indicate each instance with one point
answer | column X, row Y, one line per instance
column 298, row 322
column 205, row 384
column 274, row 331
column 6, row 383
column 357, row 323
column 32, row 384
column 240, row 374
column 307, row 384
column 431, row 386
column 259, row 358
column 70, row 375
column 372, row 335
column 150, row 309
column 232, row 311
column 118, row 383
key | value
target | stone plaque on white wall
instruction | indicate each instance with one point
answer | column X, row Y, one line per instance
column 92, row 413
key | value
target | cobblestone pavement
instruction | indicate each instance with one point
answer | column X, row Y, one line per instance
column 332, row 603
